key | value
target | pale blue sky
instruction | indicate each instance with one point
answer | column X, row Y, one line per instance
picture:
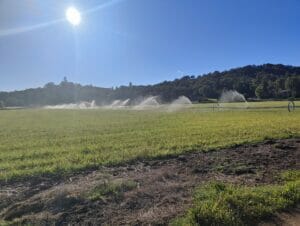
column 141, row 41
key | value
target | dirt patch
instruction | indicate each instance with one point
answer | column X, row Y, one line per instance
column 287, row 218
column 162, row 188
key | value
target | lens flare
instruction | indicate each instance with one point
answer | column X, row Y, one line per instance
column 73, row 16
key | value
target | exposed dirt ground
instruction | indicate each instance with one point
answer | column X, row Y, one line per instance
column 287, row 218
column 163, row 186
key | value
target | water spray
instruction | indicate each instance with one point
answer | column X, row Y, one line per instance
column 291, row 106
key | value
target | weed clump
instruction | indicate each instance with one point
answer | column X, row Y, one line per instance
column 113, row 189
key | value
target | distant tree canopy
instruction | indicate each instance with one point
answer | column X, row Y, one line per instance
column 2, row 104
column 264, row 81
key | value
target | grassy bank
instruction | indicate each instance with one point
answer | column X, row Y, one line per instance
column 223, row 204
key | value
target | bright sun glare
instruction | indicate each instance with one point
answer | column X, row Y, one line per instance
column 73, row 16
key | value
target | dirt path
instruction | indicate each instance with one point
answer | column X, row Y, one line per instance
column 162, row 191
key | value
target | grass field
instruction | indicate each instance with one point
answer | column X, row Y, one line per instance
column 37, row 141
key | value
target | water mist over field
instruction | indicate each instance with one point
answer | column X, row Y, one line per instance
column 80, row 105
column 147, row 103
column 232, row 96
column 181, row 102
column 117, row 104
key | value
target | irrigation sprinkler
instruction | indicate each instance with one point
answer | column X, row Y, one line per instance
column 215, row 106
column 291, row 106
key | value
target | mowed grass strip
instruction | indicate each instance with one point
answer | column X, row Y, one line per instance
column 35, row 142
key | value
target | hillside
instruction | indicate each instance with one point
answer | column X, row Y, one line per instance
column 263, row 81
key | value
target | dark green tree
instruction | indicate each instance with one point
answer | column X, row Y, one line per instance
column 2, row 105
column 293, row 85
column 259, row 91
column 263, row 81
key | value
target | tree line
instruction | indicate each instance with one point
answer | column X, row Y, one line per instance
column 268, row 81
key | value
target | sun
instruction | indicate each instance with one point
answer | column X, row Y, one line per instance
column 73, row 16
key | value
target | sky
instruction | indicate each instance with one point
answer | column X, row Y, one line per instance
column 141, row 41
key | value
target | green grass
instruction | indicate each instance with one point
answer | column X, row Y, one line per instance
column 36, row 141
column 223, row 204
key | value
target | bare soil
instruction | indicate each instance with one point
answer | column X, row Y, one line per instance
column 286, row 218
column 164, row 187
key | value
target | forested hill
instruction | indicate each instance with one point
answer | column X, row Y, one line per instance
column 264, row 81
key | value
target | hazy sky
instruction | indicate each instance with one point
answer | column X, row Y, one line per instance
column 141, row 41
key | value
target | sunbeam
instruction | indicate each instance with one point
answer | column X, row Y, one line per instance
column 19, row 30
column 102, row 6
